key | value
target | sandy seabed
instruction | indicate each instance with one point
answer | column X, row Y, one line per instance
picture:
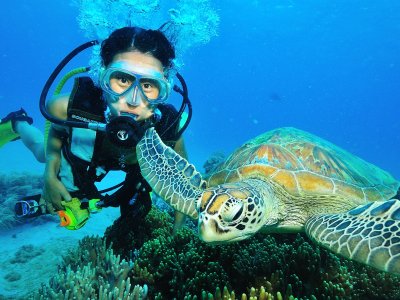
column 29, row 255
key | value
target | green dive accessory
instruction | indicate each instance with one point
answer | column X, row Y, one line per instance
column 77, row 212
column 75, row 215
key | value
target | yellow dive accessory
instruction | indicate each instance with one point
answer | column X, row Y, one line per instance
column 75, row 216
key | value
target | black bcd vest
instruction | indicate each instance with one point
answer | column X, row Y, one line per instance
column 86, row 104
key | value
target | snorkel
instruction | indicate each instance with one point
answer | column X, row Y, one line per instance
column 122, row 130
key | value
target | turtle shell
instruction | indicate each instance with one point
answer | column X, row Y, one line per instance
column 304, row 164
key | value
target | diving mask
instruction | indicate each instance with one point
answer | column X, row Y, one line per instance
column 135, row 83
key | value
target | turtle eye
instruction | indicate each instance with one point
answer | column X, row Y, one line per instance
column 232, row 211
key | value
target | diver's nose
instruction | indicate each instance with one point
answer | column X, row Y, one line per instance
column 134, row 98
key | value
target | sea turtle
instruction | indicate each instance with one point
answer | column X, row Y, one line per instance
column 285, row 180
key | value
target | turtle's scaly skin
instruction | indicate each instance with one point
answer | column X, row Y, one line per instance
column 280, row 182
column 369, row 234
column 304, row 174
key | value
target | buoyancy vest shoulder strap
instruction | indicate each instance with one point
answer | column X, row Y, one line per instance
column 85, row 104
column 85, row 101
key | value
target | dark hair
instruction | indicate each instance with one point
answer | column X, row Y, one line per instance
column 136, row 38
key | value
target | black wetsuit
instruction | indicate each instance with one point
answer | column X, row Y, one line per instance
column 133, row 197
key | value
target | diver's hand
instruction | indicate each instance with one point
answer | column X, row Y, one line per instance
column 53, row 193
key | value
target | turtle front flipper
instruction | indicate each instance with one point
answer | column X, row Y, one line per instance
column 369, row 234
column 170, row 175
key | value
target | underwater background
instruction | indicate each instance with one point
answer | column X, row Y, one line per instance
column 328, row 67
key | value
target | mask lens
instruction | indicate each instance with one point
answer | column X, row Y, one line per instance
column 151, row 88
column 120, row 82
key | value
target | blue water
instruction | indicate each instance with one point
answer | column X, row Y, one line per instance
column 328, row 67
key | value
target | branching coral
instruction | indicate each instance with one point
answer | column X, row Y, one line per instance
column 81, row 285
column 128, row 234
column 285, row 265
column 93, row 271
column 213, row 162
column 252, row 294
column 180, row 265
column 183, row 267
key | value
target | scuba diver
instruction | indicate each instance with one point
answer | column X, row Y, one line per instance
column 96, row 127
column 18, row 125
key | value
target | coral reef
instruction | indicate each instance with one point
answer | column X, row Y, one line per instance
column 213, row 162
column 92, row 271
column 12, row 276
column 166, row 266
column 286, row 265
column 127, row 234
column 252, row 294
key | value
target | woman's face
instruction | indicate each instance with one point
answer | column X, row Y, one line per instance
column 135, row 100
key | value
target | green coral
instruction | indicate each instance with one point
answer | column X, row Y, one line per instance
column 284, row 265
column 128, row 234
column 252, row 294
column 183, row 267
column 180, row 265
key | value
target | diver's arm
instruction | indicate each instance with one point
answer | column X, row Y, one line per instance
column 54, row 191
column 179, row 217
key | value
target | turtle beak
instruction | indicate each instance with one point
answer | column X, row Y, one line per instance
column 211, row 233
column 207, row 230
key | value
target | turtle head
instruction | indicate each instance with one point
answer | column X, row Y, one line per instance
column 230, row 212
